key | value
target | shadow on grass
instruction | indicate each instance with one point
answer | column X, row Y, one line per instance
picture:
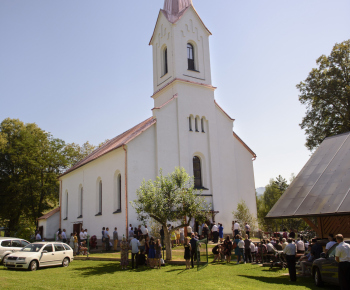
column 304, row 281
column 177, row 270
column 109, row 268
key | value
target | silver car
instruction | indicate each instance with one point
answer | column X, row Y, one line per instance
column 10, row 245
column 40, row 254
column 325, row 269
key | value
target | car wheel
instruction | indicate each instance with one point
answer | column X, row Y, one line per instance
column 33, row 266
column 318, row 278
column 65, row 262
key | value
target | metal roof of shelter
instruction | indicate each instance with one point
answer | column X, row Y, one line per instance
column 322, row 186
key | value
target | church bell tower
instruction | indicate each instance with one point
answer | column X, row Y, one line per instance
column 180, row 44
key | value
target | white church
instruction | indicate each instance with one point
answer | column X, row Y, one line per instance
column 187, row 128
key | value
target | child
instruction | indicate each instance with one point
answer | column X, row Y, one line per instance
column 187, row 255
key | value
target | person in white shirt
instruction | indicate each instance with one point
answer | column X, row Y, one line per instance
column 252, row 250
column 85, row 235
column 106, row 236
column 81, row 235
column 342, row 256
column 145, row 231
column 215, row 233
column 270, row 248
column 331, row 242
column 290, row 252
column 241, row 250
column 135, row 244
column 38, row 236
column 300, row 246
column 64, row 236
column 236, row 228
column 284, row 243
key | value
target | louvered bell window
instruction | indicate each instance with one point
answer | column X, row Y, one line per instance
column 190, row 56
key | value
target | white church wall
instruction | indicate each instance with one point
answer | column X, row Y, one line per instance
column 162, row 39
column 167, row 137
column 245, row 176
column 189, row 29
column 175, row 37
column 102, row 168
column 141, row 166
column 52, row 225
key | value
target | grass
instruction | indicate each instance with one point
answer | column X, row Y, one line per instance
column 108, row 275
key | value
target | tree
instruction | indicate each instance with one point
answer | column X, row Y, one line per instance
column 75, row 152
column 243, row 215
column 31, row 160
column 265, row 202
column 326, row 94
column 170, row 198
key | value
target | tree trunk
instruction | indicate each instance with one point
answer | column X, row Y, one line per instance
column 167, row 243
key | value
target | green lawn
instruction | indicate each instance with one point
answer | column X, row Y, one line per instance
column 108, row 275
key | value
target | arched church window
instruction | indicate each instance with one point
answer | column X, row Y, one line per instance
column 202, row 125
column 190, row 123
column 196, row 124
column 100, row 197
column 165, row 61
column 197, row 172
column 190, row 56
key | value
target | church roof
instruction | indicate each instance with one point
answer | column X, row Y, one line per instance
column 245, row 145
column 323, row 185
column 174, row 10
column 49, row 214
column 114, row 143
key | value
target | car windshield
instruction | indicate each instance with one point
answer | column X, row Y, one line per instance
column 33, row 248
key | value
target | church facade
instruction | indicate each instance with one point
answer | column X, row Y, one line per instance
column 187, row 129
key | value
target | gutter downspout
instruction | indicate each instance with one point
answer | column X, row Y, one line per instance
column 126, row 193
column 60, row 199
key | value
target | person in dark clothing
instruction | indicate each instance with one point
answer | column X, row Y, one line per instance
column 193, row 243
column 290, row 252
column 292, row 234
column 247, row 250
column 316, row 249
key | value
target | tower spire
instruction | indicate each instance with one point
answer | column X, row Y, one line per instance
column 174, row 7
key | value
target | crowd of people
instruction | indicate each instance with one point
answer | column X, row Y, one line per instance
column 146, row 250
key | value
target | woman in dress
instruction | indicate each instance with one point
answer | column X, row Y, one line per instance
column 228, row 249
column 158, row 253
column 124, row 249
column 187, row 255
column 152, row 252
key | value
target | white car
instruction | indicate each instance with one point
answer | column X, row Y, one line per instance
column 10, row 245
column 40, row 254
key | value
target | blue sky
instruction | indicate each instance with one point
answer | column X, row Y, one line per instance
column 82, row 69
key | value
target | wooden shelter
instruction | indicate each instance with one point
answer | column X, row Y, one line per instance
column 321, row 190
